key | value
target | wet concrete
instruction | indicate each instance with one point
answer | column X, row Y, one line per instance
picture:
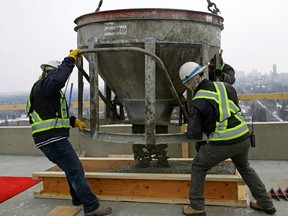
column 273, row 174
column 175, row 167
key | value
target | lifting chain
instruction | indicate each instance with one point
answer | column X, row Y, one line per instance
column 214, row 10
column 99, row 6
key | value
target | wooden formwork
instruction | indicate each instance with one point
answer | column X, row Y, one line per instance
column 224, row 190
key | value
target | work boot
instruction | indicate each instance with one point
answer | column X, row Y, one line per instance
column 187, row 210
column 256, row 206
column 100, row 211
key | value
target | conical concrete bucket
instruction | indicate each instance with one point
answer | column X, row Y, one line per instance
column 179, row 36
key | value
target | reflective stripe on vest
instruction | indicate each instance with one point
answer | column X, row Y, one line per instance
column 40, row 125
column 50, row 124
column 28, row 106
column 226, row 107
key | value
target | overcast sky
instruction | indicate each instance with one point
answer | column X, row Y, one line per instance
column 33, row 32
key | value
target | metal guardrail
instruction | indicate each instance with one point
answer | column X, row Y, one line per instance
column 242, row 97
column 23, row 106
column 265, row 96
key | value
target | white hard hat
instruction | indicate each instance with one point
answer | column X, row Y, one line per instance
column 189, row 70
column 52, row 63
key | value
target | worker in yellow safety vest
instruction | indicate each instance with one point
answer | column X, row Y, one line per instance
column 50, row 122
column 214, row 111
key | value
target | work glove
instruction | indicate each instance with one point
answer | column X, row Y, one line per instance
column 80, row 124
column 218, row 73
column 74, row 53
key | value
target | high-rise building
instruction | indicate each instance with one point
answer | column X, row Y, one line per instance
column 274, row 69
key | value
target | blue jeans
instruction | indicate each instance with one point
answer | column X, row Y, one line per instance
column 63, row 155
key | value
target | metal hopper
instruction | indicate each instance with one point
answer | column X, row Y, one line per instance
column 138, row 53
column 177, row 36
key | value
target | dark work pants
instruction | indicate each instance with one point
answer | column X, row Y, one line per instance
column 62, row 154
column 209, row 156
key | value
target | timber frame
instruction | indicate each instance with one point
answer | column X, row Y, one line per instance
column 222, row 190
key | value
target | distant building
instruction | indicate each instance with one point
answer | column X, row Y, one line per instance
column 274, row 71
column 240, row 74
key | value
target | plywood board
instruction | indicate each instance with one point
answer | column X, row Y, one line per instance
column 64, row 211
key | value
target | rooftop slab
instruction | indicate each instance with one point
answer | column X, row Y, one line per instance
column 272, row 173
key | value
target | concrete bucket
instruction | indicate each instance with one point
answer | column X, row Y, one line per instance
column 138, row 53
column 137, row 78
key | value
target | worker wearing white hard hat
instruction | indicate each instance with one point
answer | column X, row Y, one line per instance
column 214, row 111
column 50, row 121
column 191, row 74
column 189, row 70
column 53, row 64
column 48, row 67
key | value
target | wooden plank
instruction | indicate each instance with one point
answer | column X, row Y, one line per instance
column 139, row 189
column 64, row 211
column 224, row 190
column 185, row 146
column 41, row 193
column 121, row 156
column 242, row 191
column 146, row 176
column 171, row 191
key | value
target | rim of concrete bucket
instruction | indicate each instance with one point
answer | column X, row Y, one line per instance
column 149, row 14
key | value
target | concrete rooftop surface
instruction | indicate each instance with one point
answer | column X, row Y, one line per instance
column 273, row 174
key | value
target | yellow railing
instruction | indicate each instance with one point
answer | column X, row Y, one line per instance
column 266, row 96
column 23, row 106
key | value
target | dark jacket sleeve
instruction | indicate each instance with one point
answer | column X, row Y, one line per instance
column 228, row 74
column 55, row 81
column 232, row 94
column 72, row 121
column 195, row 125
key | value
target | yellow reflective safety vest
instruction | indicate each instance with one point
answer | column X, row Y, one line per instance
column 60, row 120
column 227, row 108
